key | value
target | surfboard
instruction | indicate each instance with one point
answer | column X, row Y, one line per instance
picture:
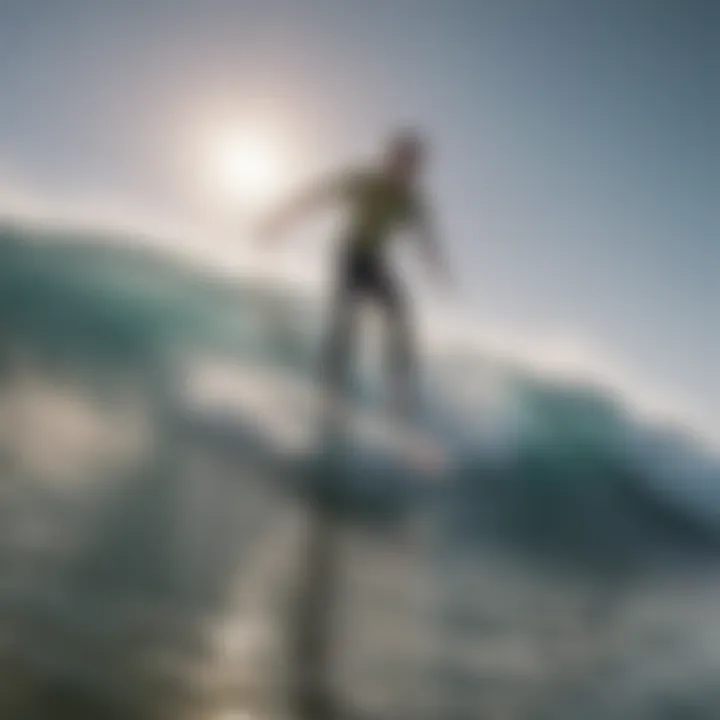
column 298, row 415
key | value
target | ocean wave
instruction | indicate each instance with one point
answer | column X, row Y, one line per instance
column 557, row 462
column 156, row 442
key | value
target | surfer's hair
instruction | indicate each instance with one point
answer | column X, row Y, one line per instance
column 406, row 142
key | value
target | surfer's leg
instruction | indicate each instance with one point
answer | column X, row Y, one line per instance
column 402, row 363
column 400, row 347
column 339, row 337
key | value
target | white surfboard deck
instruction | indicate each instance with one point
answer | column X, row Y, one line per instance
column 290, row 411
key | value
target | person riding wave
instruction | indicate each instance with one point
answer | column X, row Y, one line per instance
column 380, row 201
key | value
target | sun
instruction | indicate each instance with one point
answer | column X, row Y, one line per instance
column 244, row 168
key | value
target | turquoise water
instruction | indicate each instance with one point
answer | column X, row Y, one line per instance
column 548, row 571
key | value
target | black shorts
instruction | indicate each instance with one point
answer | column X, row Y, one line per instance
column 365, row 274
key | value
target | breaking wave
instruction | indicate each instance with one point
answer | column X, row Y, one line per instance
column 129, row 378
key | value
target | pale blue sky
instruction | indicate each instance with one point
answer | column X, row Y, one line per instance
column 576, row 142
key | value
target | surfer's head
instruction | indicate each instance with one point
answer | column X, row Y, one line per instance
column 404, row 155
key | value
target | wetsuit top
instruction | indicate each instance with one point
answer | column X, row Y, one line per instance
column 377, row 208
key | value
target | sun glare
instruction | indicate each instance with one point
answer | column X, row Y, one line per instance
column 244, row 169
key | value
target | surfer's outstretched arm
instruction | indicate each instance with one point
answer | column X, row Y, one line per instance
column 426, row 230
column 317, row 195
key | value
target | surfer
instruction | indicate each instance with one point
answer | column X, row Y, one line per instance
column 379, row 201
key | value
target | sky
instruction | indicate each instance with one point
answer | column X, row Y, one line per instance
column 575, row 145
